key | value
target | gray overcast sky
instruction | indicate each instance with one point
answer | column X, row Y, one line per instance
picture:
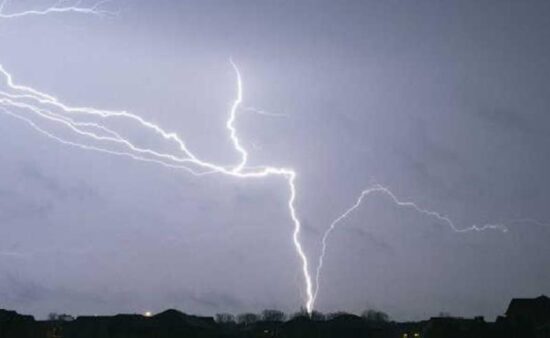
column 445, row 102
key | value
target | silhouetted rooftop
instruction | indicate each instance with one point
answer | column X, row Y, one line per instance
column 536, row 310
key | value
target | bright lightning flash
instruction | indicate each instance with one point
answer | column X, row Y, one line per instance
column 95, row 129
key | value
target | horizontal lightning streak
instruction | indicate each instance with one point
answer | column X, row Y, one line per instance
column 93, row 10
column 263, row 112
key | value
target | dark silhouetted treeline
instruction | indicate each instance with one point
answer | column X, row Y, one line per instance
column 525, row 318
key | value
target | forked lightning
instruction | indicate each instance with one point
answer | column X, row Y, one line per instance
column 93, row 129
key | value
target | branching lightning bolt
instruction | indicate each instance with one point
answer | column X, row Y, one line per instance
column 92, row 129
column 59, row 7
column 31, row 106
column 379, row 189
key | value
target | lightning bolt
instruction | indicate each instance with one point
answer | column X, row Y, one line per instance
column 379, row 189
column 57, row 8
column 41, row 105
column 94, row 129
column 31, row 106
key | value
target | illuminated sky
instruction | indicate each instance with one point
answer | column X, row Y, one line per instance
column 445, row 104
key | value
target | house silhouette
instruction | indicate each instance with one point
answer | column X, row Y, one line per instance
column 535, row 311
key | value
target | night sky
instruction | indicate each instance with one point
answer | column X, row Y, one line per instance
column 446, row 103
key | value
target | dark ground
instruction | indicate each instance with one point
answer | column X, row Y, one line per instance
column 525, row 318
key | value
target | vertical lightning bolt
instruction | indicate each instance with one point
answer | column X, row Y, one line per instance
column 231, row 121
